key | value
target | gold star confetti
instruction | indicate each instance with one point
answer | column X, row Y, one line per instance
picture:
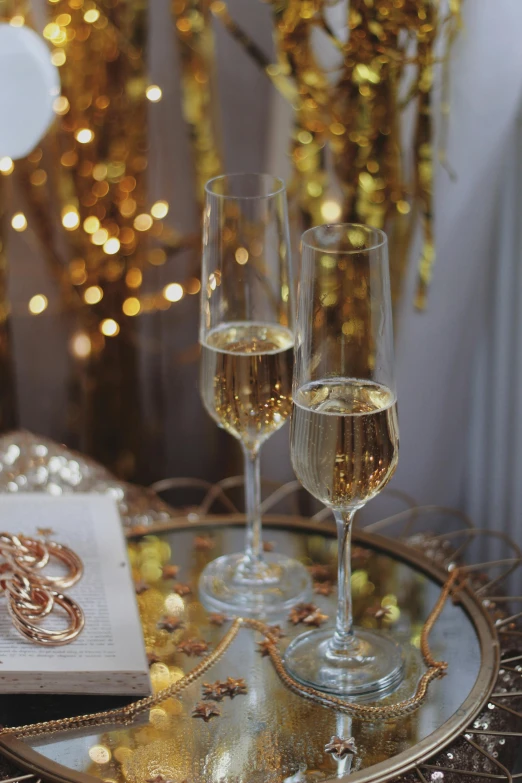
column 323, row 588
column 204, row 543
column 316, row 618
column 192, row 647
column 170, row 623
column 217, row 619
column 264, row 647
column 276, row 631
column 340, row 747
column 170, row 571
column 181, row 589
column 206, row 710
column 213, row 691
column 300, row 611
column 232, row 687
column 320, row 573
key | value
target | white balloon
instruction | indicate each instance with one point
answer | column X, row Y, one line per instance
column 29, row 83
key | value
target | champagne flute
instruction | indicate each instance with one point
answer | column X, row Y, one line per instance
column 344, row 436
column 246, row 336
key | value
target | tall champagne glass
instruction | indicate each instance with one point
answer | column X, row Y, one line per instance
column 247, row 340
column 345, row 436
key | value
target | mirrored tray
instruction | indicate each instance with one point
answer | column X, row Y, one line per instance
column 270, row 734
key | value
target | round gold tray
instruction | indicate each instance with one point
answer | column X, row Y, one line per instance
column 271, row 734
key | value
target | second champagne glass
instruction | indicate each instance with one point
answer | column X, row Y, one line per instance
column 345, row 436
column 246, row 336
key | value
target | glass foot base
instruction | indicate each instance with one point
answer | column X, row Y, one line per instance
column 224, row 586
column 376, row 664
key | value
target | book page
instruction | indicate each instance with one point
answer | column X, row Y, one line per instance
column 110, row 650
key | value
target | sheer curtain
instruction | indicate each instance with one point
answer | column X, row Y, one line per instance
column 493, row 479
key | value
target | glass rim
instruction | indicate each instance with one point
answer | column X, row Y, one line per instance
column 381, row 238
column 279, row 185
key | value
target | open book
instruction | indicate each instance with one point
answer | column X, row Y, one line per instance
column 108, row 657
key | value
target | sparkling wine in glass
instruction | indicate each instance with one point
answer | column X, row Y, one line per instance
column 344, row 435
column 247, row 341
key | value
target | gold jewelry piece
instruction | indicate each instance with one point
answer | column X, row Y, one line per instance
column 45, row 637
column 32, row 595
column 125, row 715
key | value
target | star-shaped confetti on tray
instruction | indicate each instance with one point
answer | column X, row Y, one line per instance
column 181, row 588
column 213, row 691
column 341, row 747
column 232, row 687
column 315, row 618
column 320, row 573
column 206, row 710
column 170, row 571
column 264, row 647
column 300, row 611
column 170, row 623
column 192, row 647
column 276, row 631
column 204, row 543
column 323, row 588
column 216, row 618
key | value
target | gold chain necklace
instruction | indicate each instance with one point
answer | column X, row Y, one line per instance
column 125, row 715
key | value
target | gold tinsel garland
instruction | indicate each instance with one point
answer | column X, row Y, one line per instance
column 352, row 114
column 87, row 212
column 85, row 193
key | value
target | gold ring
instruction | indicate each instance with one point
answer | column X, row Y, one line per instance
column 47, row 637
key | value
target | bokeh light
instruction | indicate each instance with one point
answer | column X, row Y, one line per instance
column 37, row 304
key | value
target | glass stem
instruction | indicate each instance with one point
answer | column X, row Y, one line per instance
column 254, row 543
column 343, row 639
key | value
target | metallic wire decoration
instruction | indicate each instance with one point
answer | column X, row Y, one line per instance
column 32, row 594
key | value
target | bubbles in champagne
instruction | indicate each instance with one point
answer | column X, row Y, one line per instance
column 345, row 440
column 246, row 378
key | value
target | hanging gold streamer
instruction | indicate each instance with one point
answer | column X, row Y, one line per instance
column 88, row 218
column 354, row 114
column 196, row 45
